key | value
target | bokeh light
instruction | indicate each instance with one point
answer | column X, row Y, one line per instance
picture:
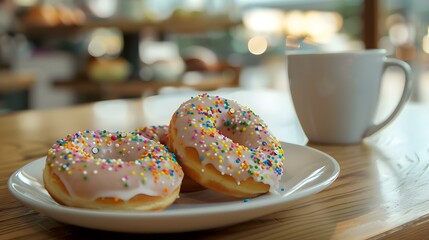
column 257, row 45
column 264, row 20
column 399, row 33
column 105, row 42
column 102, row 8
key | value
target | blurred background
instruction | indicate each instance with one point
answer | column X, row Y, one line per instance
column 61, row 52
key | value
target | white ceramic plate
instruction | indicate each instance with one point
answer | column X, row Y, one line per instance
column 307, row 171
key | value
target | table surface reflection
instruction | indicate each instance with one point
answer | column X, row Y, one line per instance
column 382, row 190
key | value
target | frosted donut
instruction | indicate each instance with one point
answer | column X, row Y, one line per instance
column 157, row 133
column 225, row 147
column 160, row 134
column 112, row 170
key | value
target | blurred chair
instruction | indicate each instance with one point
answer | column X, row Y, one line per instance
column 14, row 90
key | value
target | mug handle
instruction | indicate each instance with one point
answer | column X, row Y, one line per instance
column 389, row 62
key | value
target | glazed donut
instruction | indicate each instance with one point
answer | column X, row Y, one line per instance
column 156, row 133
column 112, row 170
column 225, row 147
column 160, row 134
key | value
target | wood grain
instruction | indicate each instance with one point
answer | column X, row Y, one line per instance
column 381, row 192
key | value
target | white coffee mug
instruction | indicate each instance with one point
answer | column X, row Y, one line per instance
column 335, row 94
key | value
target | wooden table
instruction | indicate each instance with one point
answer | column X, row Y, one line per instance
column 382, row 190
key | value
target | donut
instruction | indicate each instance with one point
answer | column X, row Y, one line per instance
column 159, row 133
column 225, row 147
column 112, row 171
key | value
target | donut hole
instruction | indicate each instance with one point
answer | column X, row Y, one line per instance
column 239, row 133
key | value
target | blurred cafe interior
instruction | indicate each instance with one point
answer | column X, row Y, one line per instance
column 59, row 53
